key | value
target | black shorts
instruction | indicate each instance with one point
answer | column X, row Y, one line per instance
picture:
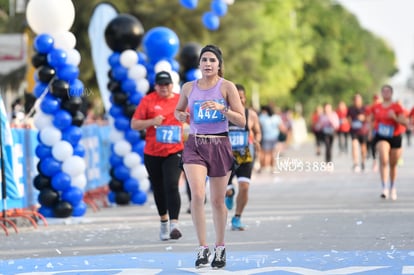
column 395, row 141
column 244, row 171
column 362, row 139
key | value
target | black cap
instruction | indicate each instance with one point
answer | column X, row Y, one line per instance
column 163, row 78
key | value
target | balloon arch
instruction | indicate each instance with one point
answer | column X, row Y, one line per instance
column 61, row 176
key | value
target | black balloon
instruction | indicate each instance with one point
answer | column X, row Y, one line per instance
column 39, row 60
column 60, row 88
column 189, row 55
column 120, row 98
column 124, row 32
column 129, row 110
column 45, row 73
column 116, row 185
column 114, row 86
column 48, row 197
column 63, row 209
column 78, row 118
column 41, row 182
column 72, row 104
column 122, row 198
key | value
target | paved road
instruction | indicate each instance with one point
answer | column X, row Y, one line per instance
column 302, row 219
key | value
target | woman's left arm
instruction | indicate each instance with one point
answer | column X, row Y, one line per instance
column 235, row 110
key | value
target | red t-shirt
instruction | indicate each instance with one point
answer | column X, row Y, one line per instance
column 344, row 125
column 382, row 123
column 151, row 106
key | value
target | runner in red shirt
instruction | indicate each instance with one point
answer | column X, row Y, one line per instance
column 344, row 127
column 162, row 152
column 386, row 119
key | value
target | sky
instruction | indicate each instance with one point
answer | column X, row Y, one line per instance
column 392, row 20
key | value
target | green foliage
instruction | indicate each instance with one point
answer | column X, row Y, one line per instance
column 308, row 51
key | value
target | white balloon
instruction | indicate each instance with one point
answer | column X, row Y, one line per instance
column 61, row 150
column 229, row 2
column 42, row 120
column 122, row 147
column 115, row 135
column 176, row 88
column 132, row 159
column 79, row 181
column 139, row 173
column 162, row 65
column 175, row 77
column 137, row 71
column 144, row 185
column 50, row 16
column 74, row 166
column 128, row 58
column 74, row 57
column 64, row 40
column 50, row 135
column 142, row 86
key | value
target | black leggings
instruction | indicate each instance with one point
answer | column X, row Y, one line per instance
column 164, row 175
column 328, row 141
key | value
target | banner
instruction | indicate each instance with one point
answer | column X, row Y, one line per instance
column 14, row 188
column 102, row 15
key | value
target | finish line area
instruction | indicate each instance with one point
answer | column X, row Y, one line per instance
column 240, row 262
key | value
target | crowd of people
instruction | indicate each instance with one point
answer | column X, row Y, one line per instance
column 375, row 131
column 207, row 132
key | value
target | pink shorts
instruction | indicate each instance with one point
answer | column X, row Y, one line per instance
column 210, row 151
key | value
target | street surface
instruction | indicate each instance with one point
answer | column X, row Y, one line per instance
column 307, row 217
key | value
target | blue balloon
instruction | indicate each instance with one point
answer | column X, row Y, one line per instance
column 49, row 104
column 40, row 88
column 135, row 98
column 189, row 4
column 142, row 58
column 119, row 72
column 46, row 212
column 128, row 85
column 62, row 119
column 132, row 136
column 139, row 197
column 50, row 166
column 79, row 150
column 121, row 172
column 72, row 134
column 111, row 197
column 43, row 43
column 139, row 148
column 115, row 160
column 76, row 88
column 175, row 65
column 211, row 21
column 68, row 72
column 114, row 59
column 73, row 195
column 61, row 181
column 219, row 7
column 131, row 185
column 57, row 58
column 116, row 111
column 160, row 43
column 192, row 74
column 122, row 123
column 43, row 151
column 79, row 209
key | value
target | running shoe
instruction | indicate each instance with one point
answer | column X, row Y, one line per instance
column 219, row 260
column 164, row 231
column 393, row 194
column 236, row 224
column 202, row 257
column 384, row 193
column 175, row 233
column 228, row 200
